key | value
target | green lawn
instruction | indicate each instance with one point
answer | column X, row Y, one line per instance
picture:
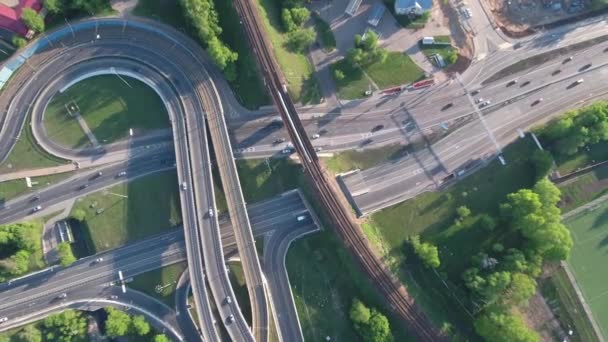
column 237, row 279
column 443, row 50
column 297, row 70
column 261, row 181
column 351, row 160
column 110, row 108
column 26, row 154
column 398, row 69
column 167, row 277
column 589, row 254
column 432, row 215
column 152, row 206
column 14, row 188
column 562, row 299
column 585, row 188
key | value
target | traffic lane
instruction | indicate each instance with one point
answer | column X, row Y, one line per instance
column 82, row 184
column 182, row 307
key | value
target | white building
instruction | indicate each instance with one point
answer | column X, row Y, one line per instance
column 412, row 7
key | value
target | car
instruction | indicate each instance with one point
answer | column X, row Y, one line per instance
column 569, row 59
column 231, row 319
column 315, row 136
column 37, row 208
column 368, row 93
column 276, row 123
column 100, row 259
column 512, row 82
column 228, row 300
column 318, row 149
column 62, row 296
column 3, row 319
column 84, row 186
column 121, row 174
column 487, row 103
column 278, row 141
column 447, row 106
column 301, row 218
column 475, row 92
column 366, row 142
column 287, row 150
column 210, row 212
column 99, row 174
column 114, row 297
column 524, row 84
column 579, row 81
column 556, row 72
column 377, row 128
column 479, row 100
column 537, row 101
column 184, row 186
column 585, row 67
column 35, row 198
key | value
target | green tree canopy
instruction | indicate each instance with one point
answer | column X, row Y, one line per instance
column 66, row 256
column 79, row 215
column 300, row 39
column 118, row 323
column 53, row 6
column 66, row 326
column 521, row 289
column 32, row 20
column 160, row 338
column 427, row 252
column 30, row 333
column 140, row 326
column 497, row 326
column 463, row 212
column 359, row 313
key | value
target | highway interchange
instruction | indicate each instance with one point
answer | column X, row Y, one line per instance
column 188, row 86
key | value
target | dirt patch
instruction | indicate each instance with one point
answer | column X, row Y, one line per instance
column 539, row 317
column 517, row 18
column 460, row 39
column 539, row 59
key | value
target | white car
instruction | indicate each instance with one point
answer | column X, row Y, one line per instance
column 315, row 136
column 301, row 218
column 3, row 319
column 37, row 208
column 580, row 81
column 100, row 259
column 228, row 300
column 122, row 173
column 231, row 318
column 184, row 186
column 210, row 212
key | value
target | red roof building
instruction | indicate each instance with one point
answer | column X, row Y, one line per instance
column 10, row 17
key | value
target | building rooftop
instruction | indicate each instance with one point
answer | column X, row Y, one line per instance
column 424, row 5
column 10, row 17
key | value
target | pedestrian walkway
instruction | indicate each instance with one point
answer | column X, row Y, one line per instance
column 85, row 128
column 49, row 234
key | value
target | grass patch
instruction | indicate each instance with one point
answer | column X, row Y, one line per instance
column 351, row 160
column 168, row 12
column 561, row 297
column 26, row 154
column 445, row 51
column 248, row 86
column 14, row 188
column 298, row 72
column 584, row 188
column 237, row 279
column 586, row 156
column 324, row 32
column 432, row 215
column 151, row 206
column 110, row 108
column 590, row 234
column 397, row 69
column 261, row 181
column 167, row 277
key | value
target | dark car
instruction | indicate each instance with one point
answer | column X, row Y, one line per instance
column 585, row 67
column 366, row 142
column 447, row 106
column 556, row 72
column 377, row 128
column 512, row 82
column 475, row 92
column 525, row 84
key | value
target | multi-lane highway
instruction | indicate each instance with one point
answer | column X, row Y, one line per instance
column 26, row 296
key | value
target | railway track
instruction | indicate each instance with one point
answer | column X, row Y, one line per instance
column 356, row 243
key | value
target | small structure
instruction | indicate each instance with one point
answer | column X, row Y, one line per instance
column 412, row 7
column 65, row 233
column 376, row 14
column 428, row 40
column 10, row 16
column 352, row 7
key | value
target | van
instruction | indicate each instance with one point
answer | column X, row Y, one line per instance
column 301, row 218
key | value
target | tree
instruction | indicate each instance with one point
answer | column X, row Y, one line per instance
column 79, row 215
column 427, row 252
column 30, row 333
column 288, row 24
column 300, row 39
column 359, row 313
column 32, row 20
column 338, row 74
column 486, row 222
column 543, row 162
column 521, row 289
column 452, row 56
column 496, row 284
column 53, row 6
column 66, row 326
column 66, row 256
column 140, row 326
column 378, row 328
column 160, row 338
column 463, row 212
column 299, row 15
column 504, row 327
column 19, row 42
column 118, row 323
column 220, row 53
